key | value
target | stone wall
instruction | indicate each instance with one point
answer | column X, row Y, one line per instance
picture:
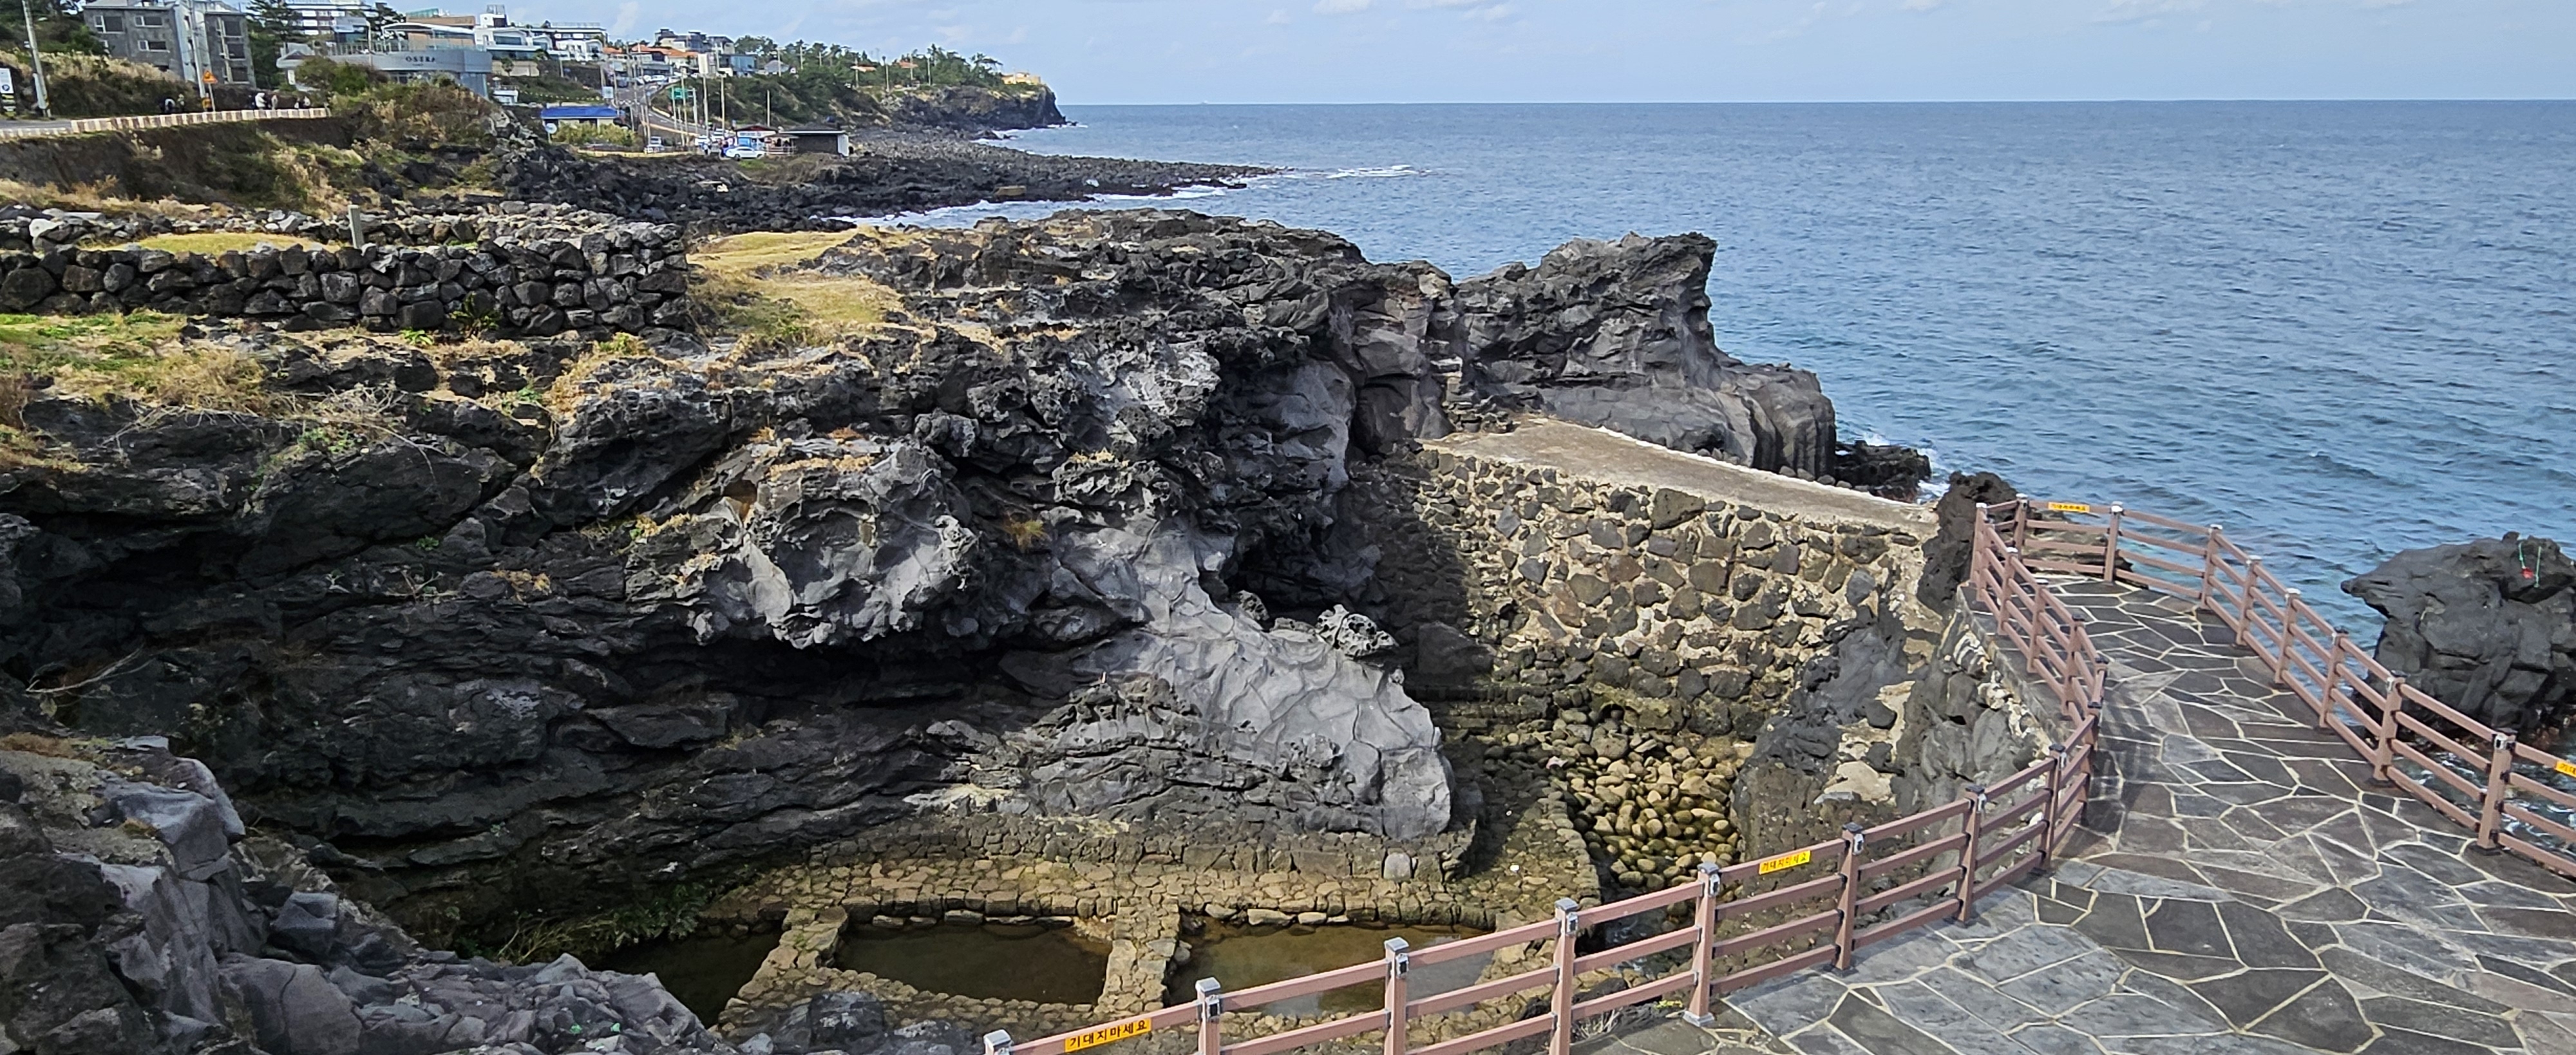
column 1525, row 587
column 534, row 274
column 1147, row 908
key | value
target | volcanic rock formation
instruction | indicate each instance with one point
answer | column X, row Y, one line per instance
column 2488, row 627
column 1616, row 334
column 488, row 623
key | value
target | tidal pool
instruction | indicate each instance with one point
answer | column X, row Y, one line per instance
column 1041, row 964
column 703, row 970
column 1241, row 957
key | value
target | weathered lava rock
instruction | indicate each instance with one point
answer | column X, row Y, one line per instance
column 1616, row 334
column 1953, row 544
column 2488, row 627
column 499, row 625
column 136, row 919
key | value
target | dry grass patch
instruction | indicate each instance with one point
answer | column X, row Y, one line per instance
column 138, row 356
column 761, row 285
column 211, row 243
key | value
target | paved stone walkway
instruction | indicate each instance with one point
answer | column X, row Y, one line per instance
column 2238, row 887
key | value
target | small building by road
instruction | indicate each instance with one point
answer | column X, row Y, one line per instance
column 816, row 139
column 561, row 114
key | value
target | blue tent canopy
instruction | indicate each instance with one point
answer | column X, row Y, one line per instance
column 580, row 112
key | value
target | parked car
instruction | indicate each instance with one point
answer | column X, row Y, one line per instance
column 654, row 145
column 744, row 151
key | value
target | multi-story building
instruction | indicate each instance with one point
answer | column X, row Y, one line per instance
column 572, row 41
column 327, row 18
column 200, row 42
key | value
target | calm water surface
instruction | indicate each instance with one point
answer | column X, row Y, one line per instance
column 2341, row 329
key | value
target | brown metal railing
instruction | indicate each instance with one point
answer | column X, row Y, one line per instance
column 1867, row 886
column 2462, row 768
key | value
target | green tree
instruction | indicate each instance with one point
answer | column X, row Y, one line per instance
column 273, row 25
column 58, row 27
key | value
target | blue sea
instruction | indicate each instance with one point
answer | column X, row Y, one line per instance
column 2340, row 329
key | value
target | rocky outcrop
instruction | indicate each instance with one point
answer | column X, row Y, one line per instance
column 137, row 919
column 1616, row 334
column 1947, row 553
column 552, row 620
column 1056, row 530
column 890, row 171
column 968, row 108
column 2488, row 627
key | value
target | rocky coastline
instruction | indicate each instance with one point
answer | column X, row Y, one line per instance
column 1129, row 572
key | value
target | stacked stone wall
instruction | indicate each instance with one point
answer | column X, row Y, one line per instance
column 1528, row 588
column 530, row 274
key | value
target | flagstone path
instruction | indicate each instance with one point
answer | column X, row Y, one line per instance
column 2238, row 886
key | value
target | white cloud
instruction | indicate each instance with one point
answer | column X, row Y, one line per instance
column 1341, row 7
column 1278, row 17
column 626, row 14
column 1920, row 5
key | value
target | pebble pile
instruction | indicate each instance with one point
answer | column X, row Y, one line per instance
column 1651, row 804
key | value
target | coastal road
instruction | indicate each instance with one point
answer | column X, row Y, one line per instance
column 675, row 130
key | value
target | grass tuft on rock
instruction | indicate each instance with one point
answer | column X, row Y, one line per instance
column 138, row 356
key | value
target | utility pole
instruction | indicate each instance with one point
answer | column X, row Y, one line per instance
column 35, row 57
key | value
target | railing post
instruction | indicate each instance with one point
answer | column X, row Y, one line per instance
column 2491, row 811
column 2289, row 638
column 1211, row 1012
column 1560, row 1039
column 1974, row 826
column 2047, row 841
column 2021, row 523
column 1703, row 950
column 1843, row 948
column 2253, row 580
column 2208, row 566
column 1397, row 960
column 2334, row 677
column 997, row 1042
column 2383, row 750
column 2111, row 547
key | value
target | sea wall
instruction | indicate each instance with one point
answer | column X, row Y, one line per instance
column 523, row 275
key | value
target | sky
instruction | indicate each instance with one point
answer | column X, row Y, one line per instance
column 1335, row 51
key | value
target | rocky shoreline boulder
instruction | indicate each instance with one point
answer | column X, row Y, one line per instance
column 1616, row 334
column 2488, row 627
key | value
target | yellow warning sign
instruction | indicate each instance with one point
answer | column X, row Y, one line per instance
column 2566, row 768
column 1784, row 861
column 1092, row 1038
column 2069, row 507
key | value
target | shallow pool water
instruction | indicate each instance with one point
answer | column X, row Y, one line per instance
column 703, row 971
column 1041, row 964
column 1242, row 957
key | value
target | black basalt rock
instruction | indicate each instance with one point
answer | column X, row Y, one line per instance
column 2488, row 627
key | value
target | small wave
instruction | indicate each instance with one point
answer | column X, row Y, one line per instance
column 1377, row 172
